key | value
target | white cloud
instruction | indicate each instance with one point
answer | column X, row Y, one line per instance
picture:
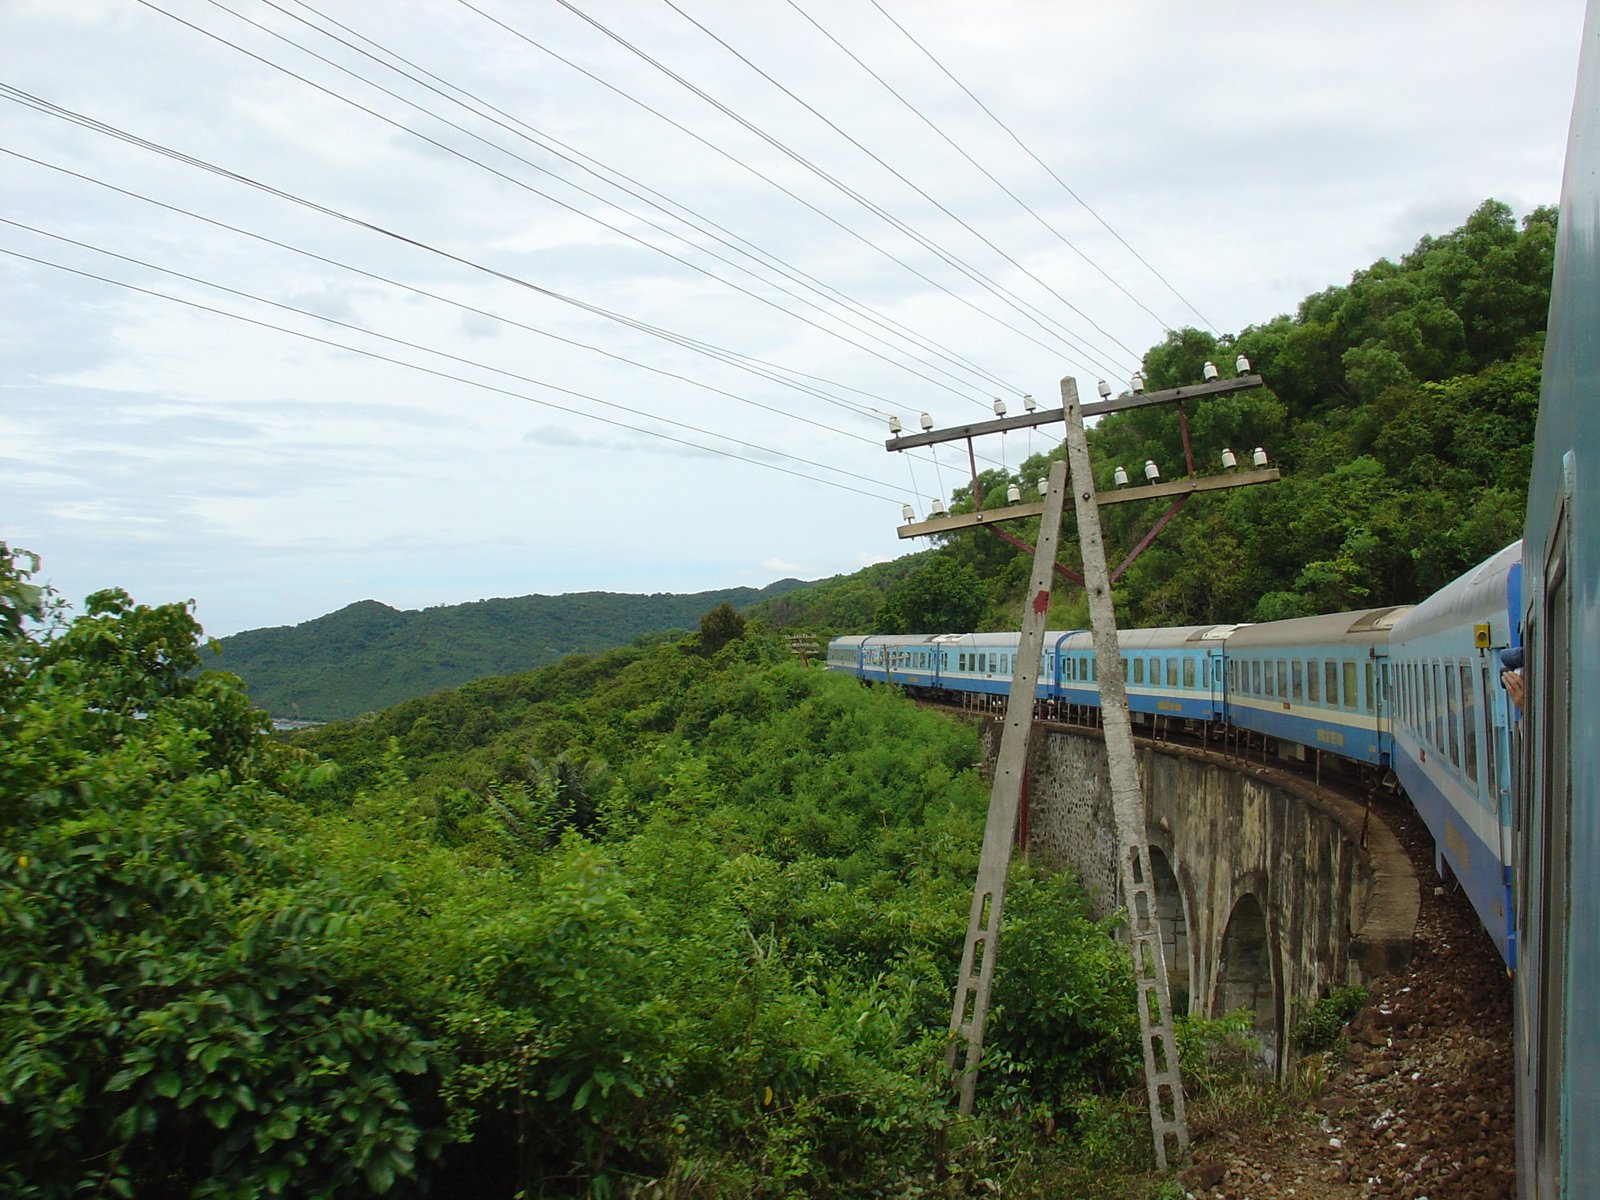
column 1252, row 152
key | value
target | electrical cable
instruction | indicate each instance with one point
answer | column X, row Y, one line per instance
column 700, row 222
column 1023, row 146
column 914, row 187
column 513, row 180
column 15, row 95
column 458, row 378
column 1023, row 307
column 1023, row 204
column 739, row 162
column 804, row 389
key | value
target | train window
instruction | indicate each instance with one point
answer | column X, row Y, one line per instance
column 1205, row 672
column 1283, row 679
column 1314, row 682
column 1138, row 670
column 1093, row 669
column 1233, row 676
column 1155, row 672
column 1452, row 717
column 1330, row 683
column 1269, row 690
column 1438, row 709
column 1469, row 724
column 1371, row 694
column 1427, row 705
column 1188, row 672
column 1349, row 685
column 1298, row 671
column 1125, row 675
column 1172, row 673
column 1255, row 678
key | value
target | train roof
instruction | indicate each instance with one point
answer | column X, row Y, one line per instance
column 1188, row 637
column 1485, row 593
column 1361, row 627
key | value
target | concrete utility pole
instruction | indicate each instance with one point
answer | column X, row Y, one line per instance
column 1164, row 1085
column 1169, row 1126
column 975, row 978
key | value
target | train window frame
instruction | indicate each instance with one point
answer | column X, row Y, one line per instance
column 1436, row 714
column 1452, row 716
column 1428, row 706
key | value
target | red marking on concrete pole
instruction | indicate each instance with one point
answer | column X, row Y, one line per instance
column 1041, row 601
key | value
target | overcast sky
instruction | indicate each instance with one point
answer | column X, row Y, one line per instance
column 841, row 257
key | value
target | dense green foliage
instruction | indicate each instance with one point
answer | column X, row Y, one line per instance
column 662, row 915
column 1400, row 408
column 368, row 655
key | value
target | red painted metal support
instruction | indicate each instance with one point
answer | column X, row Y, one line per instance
column 1012, row 539
column 1183, row 430
column 1144, row 542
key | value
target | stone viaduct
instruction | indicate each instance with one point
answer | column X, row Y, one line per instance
column 1270, row 889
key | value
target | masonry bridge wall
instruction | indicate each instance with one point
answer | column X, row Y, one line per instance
column 1270, row 890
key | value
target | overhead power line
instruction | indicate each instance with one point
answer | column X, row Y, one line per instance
column 519, row 183
column 446, row 375
column 630, row 186
column 1026, row 150
column 954, row 145
column 26, row 99
column 872, row 244
column 898, row 175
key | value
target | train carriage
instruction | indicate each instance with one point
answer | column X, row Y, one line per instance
column 1320, row 682
column 1451, row 721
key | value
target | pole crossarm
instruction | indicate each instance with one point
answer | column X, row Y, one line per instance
column 1193, row 391
column 933, row 437
column 969, row 520
column 1185, row 487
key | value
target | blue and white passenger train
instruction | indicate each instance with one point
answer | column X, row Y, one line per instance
column 1415, row 689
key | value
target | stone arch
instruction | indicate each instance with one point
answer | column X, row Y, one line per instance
column 1245, row 974
column 1172, row 916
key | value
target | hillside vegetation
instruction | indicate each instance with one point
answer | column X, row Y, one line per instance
column 667, row 921
column 367, row 655
column 1400, row 408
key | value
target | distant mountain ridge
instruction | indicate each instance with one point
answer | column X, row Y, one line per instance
column 368, row 655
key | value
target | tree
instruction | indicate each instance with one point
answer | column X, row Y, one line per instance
column 943, row 597
column 718, row 627
column 172, row 1027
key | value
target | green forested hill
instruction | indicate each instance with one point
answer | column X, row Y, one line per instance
column 368, row 655
column 1400, row 408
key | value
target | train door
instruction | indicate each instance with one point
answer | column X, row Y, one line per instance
column 1549, row 702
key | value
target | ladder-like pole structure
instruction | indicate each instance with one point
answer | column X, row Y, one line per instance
column 1163, row 1083
column 1169, row 1126
column 975, row 978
